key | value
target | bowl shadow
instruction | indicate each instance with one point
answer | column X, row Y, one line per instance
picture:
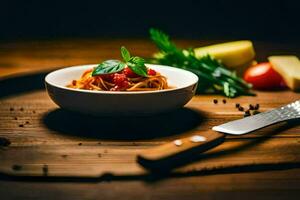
column 123, row 128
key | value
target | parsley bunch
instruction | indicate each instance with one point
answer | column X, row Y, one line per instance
column 214, row 77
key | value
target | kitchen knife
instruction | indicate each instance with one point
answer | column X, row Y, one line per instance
column 171, row 154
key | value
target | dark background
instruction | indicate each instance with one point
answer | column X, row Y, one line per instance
column 211, row 19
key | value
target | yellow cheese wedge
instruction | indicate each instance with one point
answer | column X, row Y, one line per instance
column 289, row 68
column 232, row 54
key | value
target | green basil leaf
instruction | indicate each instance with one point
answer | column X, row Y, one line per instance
column 138, row 69
column 108, row 67
column 137, row 60
column 125, row 54
column 137, row 65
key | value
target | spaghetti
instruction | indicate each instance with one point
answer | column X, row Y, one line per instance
column 125, row 80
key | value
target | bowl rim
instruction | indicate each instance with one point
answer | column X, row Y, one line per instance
column 46, row 79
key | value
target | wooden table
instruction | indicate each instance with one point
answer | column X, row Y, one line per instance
column 50, row 142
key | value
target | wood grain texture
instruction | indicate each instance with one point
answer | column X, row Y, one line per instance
column 99, row 162
column 166, row 157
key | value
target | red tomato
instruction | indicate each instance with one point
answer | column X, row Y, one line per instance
column 121, row 81
column 263, row 76
column 119, row 78
column 107, row 77
column 151, row 72
column 129, row 73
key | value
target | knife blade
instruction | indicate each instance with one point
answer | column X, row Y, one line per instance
column 173, row 154
column 258, row 121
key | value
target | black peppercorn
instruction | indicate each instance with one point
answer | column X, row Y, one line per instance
column 251, row 107
column 255, row 112
column 45, row 170
column 17, row 167
column 4, row 142
column 246, row 115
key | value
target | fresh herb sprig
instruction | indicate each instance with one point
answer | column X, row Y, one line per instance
column 135, row 63
column 213, row 76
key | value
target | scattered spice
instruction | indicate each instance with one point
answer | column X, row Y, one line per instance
column 33, row 111
column 79, row 144
column 4, row 142
column 11, row 109
column 99, row 155
column 17, row 167
column 224, row 101
column 241, row 108
column 15, row 118
column 237, row 105
column 27, row 122
column 256, row 106
column 255, row 112
column 64, row 156
column 251, row 107
column 246, row 115
column 45, row 170
column 21, row 109
column 21, row 125
column 215, row 101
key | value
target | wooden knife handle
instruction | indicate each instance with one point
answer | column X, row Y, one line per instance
column 175, row 153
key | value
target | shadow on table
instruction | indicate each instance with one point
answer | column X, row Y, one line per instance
column 157, row 176
column 21, row 84
column 123, row 128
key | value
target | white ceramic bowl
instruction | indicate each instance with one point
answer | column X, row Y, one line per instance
column 115, row 103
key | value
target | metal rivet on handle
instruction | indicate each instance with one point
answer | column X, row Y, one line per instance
column 178, row 142
column 198, row 138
